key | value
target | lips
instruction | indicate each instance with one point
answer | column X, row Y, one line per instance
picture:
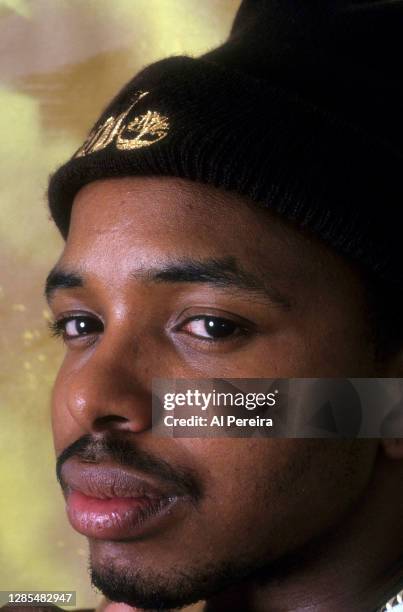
column 112, row 503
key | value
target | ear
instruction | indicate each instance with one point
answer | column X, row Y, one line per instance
column 393, row 447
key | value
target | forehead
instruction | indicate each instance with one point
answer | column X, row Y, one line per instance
column 167, row 207
column 147, row 219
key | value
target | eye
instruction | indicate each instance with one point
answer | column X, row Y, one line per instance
column 211, row 328
column 72, row 327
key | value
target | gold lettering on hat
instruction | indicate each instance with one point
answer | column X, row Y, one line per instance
column 140, row 132
column 147, row 129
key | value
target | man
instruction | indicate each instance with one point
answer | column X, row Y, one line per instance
column 236, row 216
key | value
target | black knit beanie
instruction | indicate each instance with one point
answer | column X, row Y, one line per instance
column 301, row 110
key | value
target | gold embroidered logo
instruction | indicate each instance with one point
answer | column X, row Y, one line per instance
column 142, row 131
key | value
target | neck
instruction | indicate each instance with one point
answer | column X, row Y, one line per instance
column 355, row 568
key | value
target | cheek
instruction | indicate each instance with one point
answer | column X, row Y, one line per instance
column 320, row 347
column 268, row 496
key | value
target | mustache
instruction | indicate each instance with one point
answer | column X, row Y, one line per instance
column 126, row 454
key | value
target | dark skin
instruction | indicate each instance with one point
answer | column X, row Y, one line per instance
column 309, row 523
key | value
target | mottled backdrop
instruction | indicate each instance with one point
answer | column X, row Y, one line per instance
column 60, row 62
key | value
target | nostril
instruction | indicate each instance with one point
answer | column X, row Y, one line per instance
column 113, row 421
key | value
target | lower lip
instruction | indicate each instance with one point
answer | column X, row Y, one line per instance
column 118, row 518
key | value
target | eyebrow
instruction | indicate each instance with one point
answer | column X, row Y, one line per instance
column 223, row 273
column 59, row 278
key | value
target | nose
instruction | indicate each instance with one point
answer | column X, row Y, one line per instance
column 106, row 391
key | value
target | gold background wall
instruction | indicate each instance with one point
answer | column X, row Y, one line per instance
column 60, row 62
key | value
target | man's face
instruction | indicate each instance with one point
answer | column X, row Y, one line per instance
column 164, row 278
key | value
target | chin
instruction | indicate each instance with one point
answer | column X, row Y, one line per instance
column 131, row 581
